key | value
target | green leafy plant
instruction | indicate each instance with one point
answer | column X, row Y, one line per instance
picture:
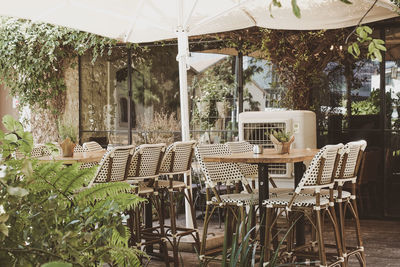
column 67, row 131
column 47, row 216
column 282, row 136
column 33, row 57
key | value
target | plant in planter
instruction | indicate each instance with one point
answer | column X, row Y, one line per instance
column 69, row 136
column 282, row 141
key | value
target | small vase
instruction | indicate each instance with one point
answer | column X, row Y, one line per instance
column 67, row 147
column 282, row 147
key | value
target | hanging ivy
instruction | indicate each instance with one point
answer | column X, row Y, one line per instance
column 33, row 57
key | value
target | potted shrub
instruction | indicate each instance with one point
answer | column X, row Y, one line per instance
column 69, row 136
column 282, row 141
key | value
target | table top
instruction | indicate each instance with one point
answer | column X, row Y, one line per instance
column 269, row 156
column 78, row 157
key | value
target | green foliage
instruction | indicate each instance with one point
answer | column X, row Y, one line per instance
column 47, row 216
column 374, row 48
column 67, row 130
column 282, row 136
column 217, row 84
column 34, row 55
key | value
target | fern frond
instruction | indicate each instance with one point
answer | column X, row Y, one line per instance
column 120, row 236
column 124, row 256
column 101, row 191
column 124, row 201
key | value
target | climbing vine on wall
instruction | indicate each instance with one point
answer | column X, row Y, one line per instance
column 33, row 56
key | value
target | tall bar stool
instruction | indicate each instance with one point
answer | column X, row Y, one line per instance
column 347, row 171
column 112, row 167
column 250, row 171
column 86, row 165
column 92, row 146
column 143, row 171
column 320, row 174
column 228, row 174
column 177, row 161
column 349, row 166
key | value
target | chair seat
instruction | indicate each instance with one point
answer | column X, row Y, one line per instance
column 325, row 193
column 175, row 184
column 238, row 199
column 300, row 201
column 274, row 192
column 145, row 190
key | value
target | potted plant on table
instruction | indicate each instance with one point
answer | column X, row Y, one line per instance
column 282, row 141
column 69, row 136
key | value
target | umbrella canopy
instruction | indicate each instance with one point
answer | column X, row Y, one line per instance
column 139, row 21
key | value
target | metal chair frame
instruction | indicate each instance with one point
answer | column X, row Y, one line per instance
column 176, row 162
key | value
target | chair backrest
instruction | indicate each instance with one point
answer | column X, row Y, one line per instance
column 239, row 147
column 248, row 170
column 78, row 148
column 113, row 166
column 178, row 157
column 145, row 161
column 92, row 146
column 215, row 172
column 39, row 151
column 322, row 168
column 350, row 159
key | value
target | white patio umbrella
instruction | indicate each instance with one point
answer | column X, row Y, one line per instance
column 139, row 21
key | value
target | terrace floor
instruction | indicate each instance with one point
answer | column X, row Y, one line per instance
column 381, row 241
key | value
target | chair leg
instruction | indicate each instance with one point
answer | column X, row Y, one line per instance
column 337, row 233
column 161, row 216
column 321, row 245
column 360, row 253
column 205, row 227
column 193, row 213
column 174, row 242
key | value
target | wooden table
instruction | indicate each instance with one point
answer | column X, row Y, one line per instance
column 78, row 157
column 296, row 156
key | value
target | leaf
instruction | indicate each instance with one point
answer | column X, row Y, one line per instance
column 367, row 29
column 296, row 9
column 346, row 2
column 356, row 49
column 11, row 137
column 17, row 191
column 11, row 124
column 3, row 218
column 3, row 229
column 57, row 264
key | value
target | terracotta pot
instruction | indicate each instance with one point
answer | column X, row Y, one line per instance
column 282, row 148
column 67, row 147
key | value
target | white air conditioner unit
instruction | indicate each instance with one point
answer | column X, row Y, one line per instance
column 255, row 127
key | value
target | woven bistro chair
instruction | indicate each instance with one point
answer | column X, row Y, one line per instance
column 347, row 171
column 80, row 149
column 143, row 171
column 250, row 171
column 228, row 174
column 319, row 175
column 112, row 167
column 92, row 146
column 39, row 150
column 176, row 162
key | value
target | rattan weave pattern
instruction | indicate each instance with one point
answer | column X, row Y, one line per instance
column 183, row 150
column 119, row 157
column 149, row 155
column 92, row 146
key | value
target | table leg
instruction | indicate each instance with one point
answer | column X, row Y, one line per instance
column 148, row 221
column 263, row 193
column 299, row 169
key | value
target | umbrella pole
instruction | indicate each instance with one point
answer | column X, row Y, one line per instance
column 183, row 54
